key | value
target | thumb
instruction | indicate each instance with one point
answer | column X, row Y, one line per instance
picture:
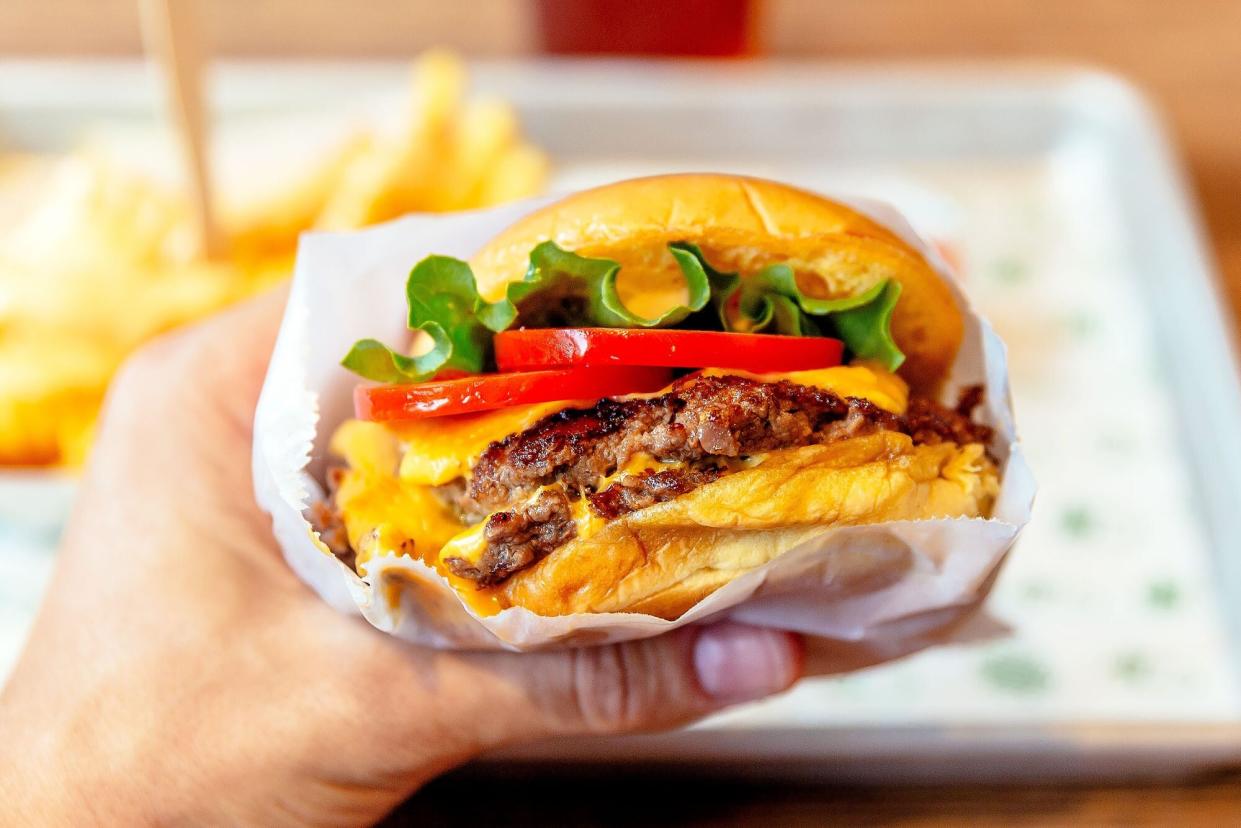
column 654, row 683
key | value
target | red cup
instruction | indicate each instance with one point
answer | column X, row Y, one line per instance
column 692, row 28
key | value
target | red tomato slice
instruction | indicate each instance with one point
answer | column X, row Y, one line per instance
column 529, row 349
column 440, row 398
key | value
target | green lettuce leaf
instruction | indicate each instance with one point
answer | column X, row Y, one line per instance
column 771, row 302
column 444, row 302
column 867, row 330
column 563, row 289
column 721, row 285
column 560, row 289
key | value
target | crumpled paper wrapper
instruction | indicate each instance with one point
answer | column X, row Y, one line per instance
column 348, row 286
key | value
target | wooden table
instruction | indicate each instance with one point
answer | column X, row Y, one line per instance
column 1185, row 55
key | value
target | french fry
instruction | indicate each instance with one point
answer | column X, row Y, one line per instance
column 96, row 260
column 488, row 129
column 270, row 226
column 518, row 173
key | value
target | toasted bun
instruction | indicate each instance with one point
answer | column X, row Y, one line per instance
column 664, row 559
column 742, row 224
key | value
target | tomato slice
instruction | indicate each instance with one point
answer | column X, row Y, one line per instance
column 484, row 392
column 528, row 349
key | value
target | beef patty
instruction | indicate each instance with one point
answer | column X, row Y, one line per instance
column 518, row 537
column 699, row 418
column 525, row 482
column 637, row 491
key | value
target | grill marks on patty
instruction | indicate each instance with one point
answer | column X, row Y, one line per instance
column 519, row 537
column 637, row 491
column 699, row 418
column 926, row 421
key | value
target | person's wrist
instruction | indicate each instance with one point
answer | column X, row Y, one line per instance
column 49, row 777
column 35, row 785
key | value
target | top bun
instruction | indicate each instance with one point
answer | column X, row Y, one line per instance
column 741, row 224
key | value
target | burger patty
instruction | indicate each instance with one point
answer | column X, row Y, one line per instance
column 698, row 419
column 637, row 491
column 524, row 485
column 519, row 537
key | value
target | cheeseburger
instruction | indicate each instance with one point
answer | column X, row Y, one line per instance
column 634, row 395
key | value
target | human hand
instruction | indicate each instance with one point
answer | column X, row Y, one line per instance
column 179, row 671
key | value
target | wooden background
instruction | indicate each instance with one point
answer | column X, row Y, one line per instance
column 1186, row 55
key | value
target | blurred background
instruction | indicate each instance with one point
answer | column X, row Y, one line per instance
column 1077, row 161
column 1183, row 54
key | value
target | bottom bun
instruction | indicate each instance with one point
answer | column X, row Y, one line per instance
column 664, row 559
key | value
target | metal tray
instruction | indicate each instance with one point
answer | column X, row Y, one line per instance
column 1112, row 645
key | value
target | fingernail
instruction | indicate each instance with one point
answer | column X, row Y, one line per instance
column 736, row 662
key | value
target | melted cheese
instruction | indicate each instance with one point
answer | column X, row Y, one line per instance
column 587, row 521
column 865, row 380
column 470, row 545
column 381, row 512
column 366, row 446
column 440, row 449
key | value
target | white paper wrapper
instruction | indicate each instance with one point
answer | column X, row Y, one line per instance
column 348, row 286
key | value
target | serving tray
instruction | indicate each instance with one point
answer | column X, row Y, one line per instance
column 1111, row 643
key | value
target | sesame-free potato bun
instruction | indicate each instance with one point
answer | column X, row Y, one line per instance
column 742, row 224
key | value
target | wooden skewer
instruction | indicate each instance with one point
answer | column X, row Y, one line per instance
column 170, row 32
